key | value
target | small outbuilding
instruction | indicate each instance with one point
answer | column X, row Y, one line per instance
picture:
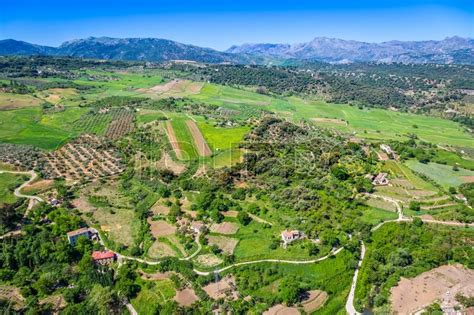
column 85, row 232
column 380, row 180
column 290, row 236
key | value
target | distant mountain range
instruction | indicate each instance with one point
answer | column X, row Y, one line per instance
column 449, row 50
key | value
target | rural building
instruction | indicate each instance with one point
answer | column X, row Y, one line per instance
column 55, row 202
column 388, row 150
column 290, row 236
column 461, row 197
column 103, row 257
column 380, row 180
column 86, row 232
column 197, row 226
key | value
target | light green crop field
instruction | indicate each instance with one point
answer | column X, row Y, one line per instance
column 32, row 126
column 452, row 158
column 8, row 182
column 221, row 138
column 148, row 115
column 375, row 215
column 444, row 175
column 184, row 137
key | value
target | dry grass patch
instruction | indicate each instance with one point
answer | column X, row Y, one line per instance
column 411, row 295
column 13, row 101
column 158, row 208
column 13, row 296
column 230, row 213
column 155, row 276
column 208, row 260
column 225, row 228
column 226, row 244
column 38, row 186
column 175, row 88
column 166, row 162
column 160, row 250
column 186, row 297
column 329, row 121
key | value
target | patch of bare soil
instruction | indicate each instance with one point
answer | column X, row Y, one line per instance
column 83, row 204
column 162, row 88
column 167, row 162
column 226, row 244
column 201, row 171
column 224, row 288
column 468, row 179
column 161, row 228
column 281, row 309
column 57, row 301
column 439, row 284
column 186, row 297
column 173, row 140
column 159, row 250
column 199, row 141
column 225, row 228
column 314, row 300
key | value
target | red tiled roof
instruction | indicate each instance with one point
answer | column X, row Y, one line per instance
column 97, row 255
column 78, row 231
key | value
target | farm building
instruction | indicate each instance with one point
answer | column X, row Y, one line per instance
column 86, row 232
column 197, row 226
column 388, row 150
column 290, row 236
column 103, row 257
column 380, row 180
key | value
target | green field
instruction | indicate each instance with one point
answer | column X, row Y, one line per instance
column 151, row 294
column 148, row 115
column 8, row 183
column 375, row 215
column 32, row 126
column 220, row 138
column 366, row 123
column 444, row 175
column 452, row 158
column 184, row 137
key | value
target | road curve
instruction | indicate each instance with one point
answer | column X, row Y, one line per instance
column 17, row 192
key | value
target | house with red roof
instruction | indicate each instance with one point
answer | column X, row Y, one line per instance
column 103, row 257
column 290, row 236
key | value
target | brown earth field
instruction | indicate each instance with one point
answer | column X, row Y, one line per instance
column 173, row 140
column 224, row 228
column 161, row 228
column 439, row 284
column 225, row 287
column 186, row 297
column 199, row 141
column 281, row 309
column 329, row 120
column 314, row 301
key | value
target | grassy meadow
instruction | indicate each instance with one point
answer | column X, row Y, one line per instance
column 444, row 175
column 8, row 183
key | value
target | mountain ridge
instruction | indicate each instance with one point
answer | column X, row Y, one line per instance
column 333, row 50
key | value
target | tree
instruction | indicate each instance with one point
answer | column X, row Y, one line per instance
column 415, row 206
column 244, row 218
column 289, row 290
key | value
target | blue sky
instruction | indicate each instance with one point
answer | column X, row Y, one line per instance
column 220, row 24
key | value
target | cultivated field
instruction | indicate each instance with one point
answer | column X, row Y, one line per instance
column 226, row 244
column 174, row 140
column 86, row 157
column 224, row 228
column 444, row 175
column 442, row 283
column 186, row 297
column 199, row 142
